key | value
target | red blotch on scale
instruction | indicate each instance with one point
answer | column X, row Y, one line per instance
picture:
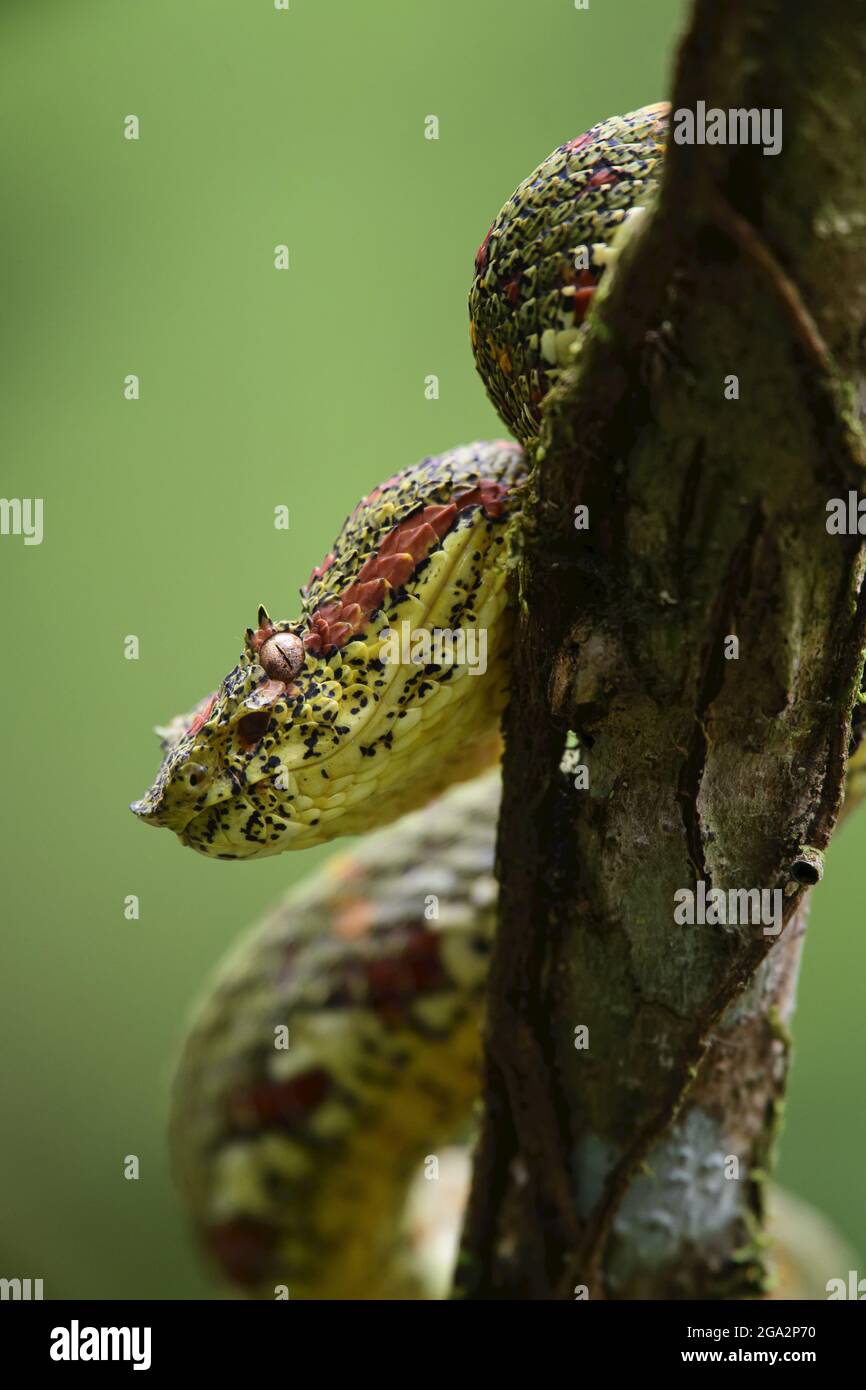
column 269, row 692
column 389, row 984
column 582, row 300
column 394, row 982
column 512, row 289
column 353, row 916
column 488, row 494
column 368, row 595
column 397, row 558
column 351, row 613
column 481, row 253
column 261, row 635
column 243, row 1248
column 419, row 542
column 278, row 1104
column 396, row 569
column 202, row 717
column 602, row 176
column 578, row 142
column 440, row 517
column 338, row 633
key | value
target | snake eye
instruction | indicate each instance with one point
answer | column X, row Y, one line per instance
column 282, row 656
column 253, row 727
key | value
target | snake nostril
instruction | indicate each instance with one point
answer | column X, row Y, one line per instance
column 196, row 774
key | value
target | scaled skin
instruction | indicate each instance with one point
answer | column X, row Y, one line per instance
column 349, row 742
column 537, row 269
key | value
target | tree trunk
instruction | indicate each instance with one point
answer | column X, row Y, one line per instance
column 711, row 417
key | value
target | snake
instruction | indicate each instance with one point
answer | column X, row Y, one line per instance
column 337, row 1052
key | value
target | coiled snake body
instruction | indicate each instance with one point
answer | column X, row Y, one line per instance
column 340, row 1046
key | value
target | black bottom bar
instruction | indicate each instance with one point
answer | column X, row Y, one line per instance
column 71, row 1338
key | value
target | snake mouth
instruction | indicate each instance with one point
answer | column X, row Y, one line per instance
column 195, row 795
column 239, row 829
column 150, row 814
column 188, row 836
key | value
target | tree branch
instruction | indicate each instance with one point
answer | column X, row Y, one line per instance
column 612, row 1167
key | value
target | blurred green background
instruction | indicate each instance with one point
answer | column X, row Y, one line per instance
column 258, row 387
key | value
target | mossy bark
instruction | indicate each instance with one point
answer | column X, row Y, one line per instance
column 634, row 1166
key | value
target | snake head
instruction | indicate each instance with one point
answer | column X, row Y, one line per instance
column 270, row 759
column 318, row 731
column 228, row 782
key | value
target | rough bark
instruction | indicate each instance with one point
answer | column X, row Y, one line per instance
column 608, row 1167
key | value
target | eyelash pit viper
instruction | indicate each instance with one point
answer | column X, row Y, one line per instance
column 340, row 1046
